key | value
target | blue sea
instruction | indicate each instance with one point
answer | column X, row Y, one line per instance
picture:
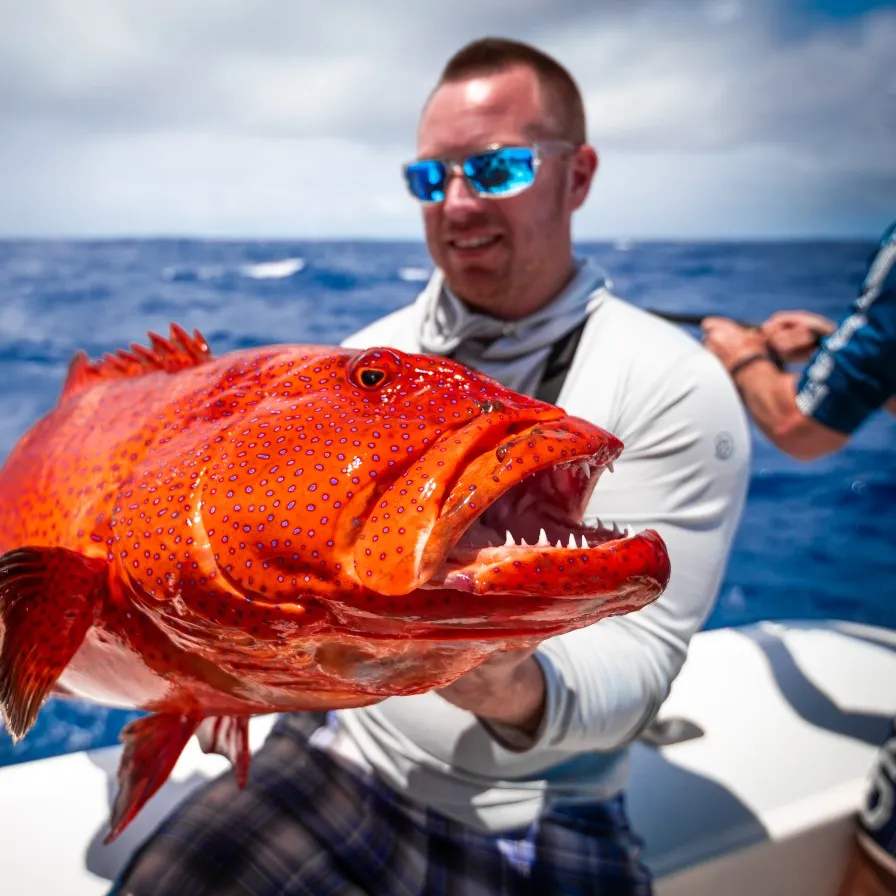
column 816, row 540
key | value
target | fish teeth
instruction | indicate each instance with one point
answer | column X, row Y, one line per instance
column 584, row 543
column 543, row 538
column 510, row 542
column 572, row 542
column 586, row 469
column 523, row 543
column 559, row 544
column 610, row 466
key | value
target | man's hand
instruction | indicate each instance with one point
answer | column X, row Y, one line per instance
column 794, row 335
column 730, row 342
column 507, row 688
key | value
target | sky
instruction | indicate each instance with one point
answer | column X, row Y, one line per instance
column 290, row 119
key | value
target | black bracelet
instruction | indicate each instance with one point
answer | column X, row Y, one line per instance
column 750, row 359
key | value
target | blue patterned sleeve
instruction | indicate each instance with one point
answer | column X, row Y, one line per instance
column 853, row 373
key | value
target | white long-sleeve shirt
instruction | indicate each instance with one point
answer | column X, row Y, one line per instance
column 684, row 471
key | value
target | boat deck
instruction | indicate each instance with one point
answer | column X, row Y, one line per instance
column 761, row 802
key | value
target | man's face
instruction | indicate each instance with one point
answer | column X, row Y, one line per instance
column 506, row 257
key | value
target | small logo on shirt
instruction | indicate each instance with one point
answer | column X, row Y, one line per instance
column 724, row 445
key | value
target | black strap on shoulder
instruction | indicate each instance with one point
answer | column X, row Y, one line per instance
column 558, row 363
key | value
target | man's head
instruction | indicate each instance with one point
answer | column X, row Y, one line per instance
column 506, row 256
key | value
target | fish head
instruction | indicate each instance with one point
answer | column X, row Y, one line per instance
column 399, row 484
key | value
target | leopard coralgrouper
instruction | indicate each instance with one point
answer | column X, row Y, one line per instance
column 286, row 528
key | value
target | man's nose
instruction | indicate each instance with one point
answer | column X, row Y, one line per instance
column 460, row 197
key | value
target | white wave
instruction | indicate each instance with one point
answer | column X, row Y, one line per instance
column 273, row 270
column 413, row 275
column 623, row 245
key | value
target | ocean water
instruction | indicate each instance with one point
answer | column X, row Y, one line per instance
column 816, row 540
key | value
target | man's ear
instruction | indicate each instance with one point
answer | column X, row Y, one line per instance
column 582, row 168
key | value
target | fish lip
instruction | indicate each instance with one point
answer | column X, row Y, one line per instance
column 495, row 477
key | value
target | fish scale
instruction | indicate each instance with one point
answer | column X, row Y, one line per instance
column 285, row 528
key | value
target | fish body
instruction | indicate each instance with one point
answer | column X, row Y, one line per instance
column 285, row 528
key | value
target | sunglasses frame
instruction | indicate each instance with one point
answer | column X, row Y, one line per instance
column 540, row 151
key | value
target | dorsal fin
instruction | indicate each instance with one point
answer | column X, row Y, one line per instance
column 179, row 351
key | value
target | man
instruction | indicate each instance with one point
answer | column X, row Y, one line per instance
column 850, row 376
column 510, row 779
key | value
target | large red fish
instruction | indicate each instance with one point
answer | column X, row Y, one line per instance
column 288, row 528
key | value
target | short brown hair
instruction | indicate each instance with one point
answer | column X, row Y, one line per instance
column 491, row 55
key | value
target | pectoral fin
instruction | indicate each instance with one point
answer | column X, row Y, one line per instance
column 48, row 600
column 152, row 746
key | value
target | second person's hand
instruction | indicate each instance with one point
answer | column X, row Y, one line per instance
column 794, row 335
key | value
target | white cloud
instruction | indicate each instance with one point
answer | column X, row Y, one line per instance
column 272, row 117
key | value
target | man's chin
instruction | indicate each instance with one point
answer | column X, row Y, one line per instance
column 478, row 296
column 481, row 286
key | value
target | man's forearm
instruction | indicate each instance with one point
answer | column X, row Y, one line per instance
column 769, row 394
column 521, row 703
column 504, row 691
column 770, row 397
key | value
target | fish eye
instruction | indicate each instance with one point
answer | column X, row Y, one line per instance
column 370, row 377
column 374, row 369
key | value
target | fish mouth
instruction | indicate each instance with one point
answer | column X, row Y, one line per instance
column 533, row 539
column 512, row 523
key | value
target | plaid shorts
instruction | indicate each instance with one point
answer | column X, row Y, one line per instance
column 307, row 826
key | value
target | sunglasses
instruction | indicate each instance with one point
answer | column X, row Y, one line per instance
column 495, row 173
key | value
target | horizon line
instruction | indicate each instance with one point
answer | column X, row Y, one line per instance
column 374, row 238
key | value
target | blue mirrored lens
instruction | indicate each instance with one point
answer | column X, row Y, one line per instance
column 501, row 170
column 426, row 180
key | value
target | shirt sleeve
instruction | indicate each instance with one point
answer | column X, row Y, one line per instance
column 684, row 471
column 853, row 373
